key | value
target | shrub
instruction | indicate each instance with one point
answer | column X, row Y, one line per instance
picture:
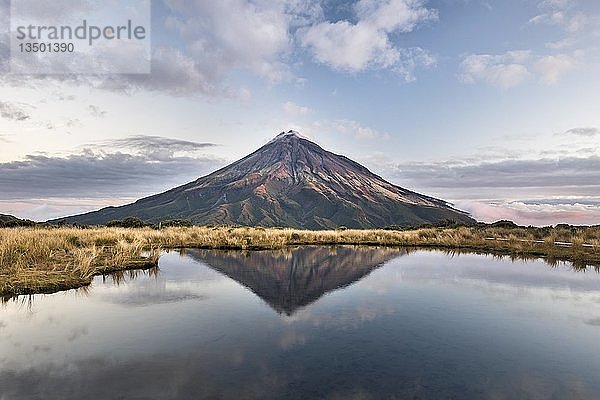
column 129, row 222
column 504, row 224
column 174, row 222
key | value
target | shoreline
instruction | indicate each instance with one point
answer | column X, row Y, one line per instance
column 48, row 260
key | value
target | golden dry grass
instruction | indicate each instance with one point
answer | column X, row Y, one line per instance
column 34, row 260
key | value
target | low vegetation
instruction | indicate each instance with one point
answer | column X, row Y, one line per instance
column 8, row 221
column 46, row 259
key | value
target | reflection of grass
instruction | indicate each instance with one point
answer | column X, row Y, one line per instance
column 34, row 260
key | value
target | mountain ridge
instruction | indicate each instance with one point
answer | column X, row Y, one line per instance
column 289, row 182
column 288, row 280
column 9, row 221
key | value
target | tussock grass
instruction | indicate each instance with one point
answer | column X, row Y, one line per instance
column 41, row 259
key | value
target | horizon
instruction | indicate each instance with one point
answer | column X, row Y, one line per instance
column 487, row 105
column 279, row 135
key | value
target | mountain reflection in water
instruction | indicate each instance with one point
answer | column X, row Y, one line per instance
column 293, row 278
column 311, row 323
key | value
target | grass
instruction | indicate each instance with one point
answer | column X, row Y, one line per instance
column 44, row 260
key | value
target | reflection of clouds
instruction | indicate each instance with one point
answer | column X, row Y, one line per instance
column 180, row 280
column 53, row 320
column 502, row 276
column 593, row 321
column 341, row 319
column 531, row 385
column 342, row 394
column 147, row 291
column 383, row 281
column 158, row 376
column 200, row 376
column 369, row 312
column 237, row 358
column 41, row 349
column 357, row 342
column 291, row 339
column 500, row 279
column 77, row 332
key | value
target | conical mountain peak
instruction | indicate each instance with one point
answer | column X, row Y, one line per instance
column 291, row 134
column 289, row 182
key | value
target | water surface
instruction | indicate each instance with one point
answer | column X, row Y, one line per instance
column 312, row 322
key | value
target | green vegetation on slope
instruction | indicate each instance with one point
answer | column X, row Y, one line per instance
column 8, row 221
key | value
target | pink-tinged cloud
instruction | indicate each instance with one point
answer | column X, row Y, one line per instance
column 48, row 208
column 533, row 214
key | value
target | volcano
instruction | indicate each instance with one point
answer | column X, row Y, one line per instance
column 290, row 279
column 289, row 182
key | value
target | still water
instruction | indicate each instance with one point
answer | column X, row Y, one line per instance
column 312, row 322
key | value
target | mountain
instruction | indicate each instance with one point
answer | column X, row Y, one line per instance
column 290, row 279
column 290, row 182
column 8, row 221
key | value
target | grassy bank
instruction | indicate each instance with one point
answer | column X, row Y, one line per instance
column 37, row 260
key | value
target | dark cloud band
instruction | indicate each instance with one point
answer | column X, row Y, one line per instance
column 98, row 174
column 565, row 172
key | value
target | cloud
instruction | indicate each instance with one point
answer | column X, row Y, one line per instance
column 96, row 111
column 561, row 4
column 514, row 68
column 93, row 174
column 587, row 132
column 210, row 41
column 550, row 68
column 538, row 191
column 561, row 44
column 154, row 147
column 344, row 127
column 213, row 40
column 171, row 71
column 517, row 67
column 505, row 70
column 149, row 142
column 126, row 167
column 294, row 109
column 131, row 56
column 43, row 209
column 593, row 321
column 366, row 44
column 4, row 36
column 48, row 11
column 13, row 112
column 576, row 24
column 538, row 214
column 555, row 18
column 234, row 34
column 565, row 15
column 66, row 97
column 556, row 173
column 352, row 128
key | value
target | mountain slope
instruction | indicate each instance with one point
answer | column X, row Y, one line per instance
column 289, row 182
column 8, row 221
column 293, row 278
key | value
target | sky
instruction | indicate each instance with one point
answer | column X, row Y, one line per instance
column 490, row 105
